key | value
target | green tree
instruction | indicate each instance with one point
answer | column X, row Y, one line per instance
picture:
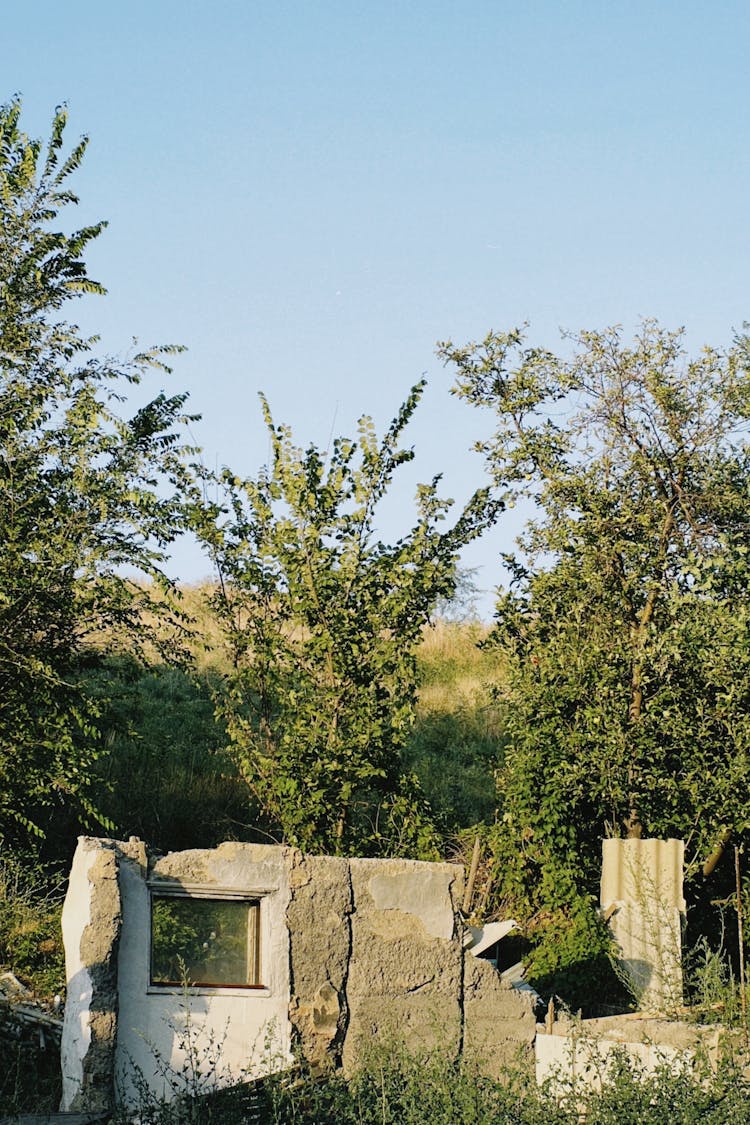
column 322, row 621
column 625, row 627
column 86, row 495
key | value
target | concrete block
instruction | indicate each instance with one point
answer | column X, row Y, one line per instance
column 499, row 1021
column 405, row 972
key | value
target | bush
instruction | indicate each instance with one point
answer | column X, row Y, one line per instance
column 31, row 946
column 573, row 959
column 29, row 1072
column 30, row 936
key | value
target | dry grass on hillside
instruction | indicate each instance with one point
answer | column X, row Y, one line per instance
column 454, row 672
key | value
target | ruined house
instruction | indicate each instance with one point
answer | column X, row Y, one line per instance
column 263, row 953
column 252, row 956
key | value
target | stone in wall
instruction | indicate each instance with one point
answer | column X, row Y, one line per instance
column 405, row 972
column 318, row 918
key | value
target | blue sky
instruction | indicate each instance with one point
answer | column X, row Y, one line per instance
column 310, row 194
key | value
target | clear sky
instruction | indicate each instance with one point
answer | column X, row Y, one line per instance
column 310, row 193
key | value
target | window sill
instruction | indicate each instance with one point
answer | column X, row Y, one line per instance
column 249, row 991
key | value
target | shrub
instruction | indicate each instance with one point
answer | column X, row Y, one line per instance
column 30, row 937
column 30, row 945
column 573, row 959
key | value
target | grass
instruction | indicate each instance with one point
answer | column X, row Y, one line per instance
column 395, row 1086
column 166, row 775
column 457, row 740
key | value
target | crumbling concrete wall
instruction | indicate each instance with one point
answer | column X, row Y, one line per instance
column 320, row 946
column 349, row 949
column 405, row 973
column 499, row 1021
column 91, row 925
column 583, row 1051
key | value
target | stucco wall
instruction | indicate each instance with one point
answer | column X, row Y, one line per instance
column 161, row 1023
column 91, row 924
column 349, row 950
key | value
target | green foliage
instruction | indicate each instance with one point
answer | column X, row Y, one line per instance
column 86, row 495
column 455, row 755
column 573, row 960
column 712, row 991
column 457, row 740
column 625, row 629
column 30, row 937
column 163, row 773
column 397, row 1087
column 322, row 621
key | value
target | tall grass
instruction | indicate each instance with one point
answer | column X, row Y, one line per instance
column 166, row 775
column 394, row 1086
column 457, row 741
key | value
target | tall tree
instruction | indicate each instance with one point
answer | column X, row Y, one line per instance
column 626, row 623
column 86, row 495
column 322, row 620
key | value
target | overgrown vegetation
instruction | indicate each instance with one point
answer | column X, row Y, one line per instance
column 30, row 1080
column 86, row 492
column 30, row 944
column 624, row 632
column 164, row 773
column 321, row 623
column 30, row 938
column 398, row 1087
column 309, row 696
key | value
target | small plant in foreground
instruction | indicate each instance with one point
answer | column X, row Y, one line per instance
column 396, row 1087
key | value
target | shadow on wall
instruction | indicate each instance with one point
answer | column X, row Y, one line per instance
column 590, row 986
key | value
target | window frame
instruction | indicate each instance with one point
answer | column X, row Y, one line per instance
column 160, row 890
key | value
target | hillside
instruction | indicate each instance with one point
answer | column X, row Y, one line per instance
column 166, row 775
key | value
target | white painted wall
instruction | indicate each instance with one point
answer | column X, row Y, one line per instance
column 235, row 1032
column 76, row 916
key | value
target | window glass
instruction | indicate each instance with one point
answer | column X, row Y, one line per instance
column 203, row 941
